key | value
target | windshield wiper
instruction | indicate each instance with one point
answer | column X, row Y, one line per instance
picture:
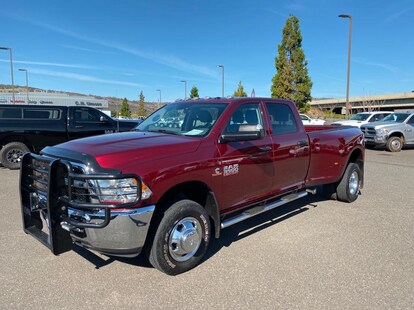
column 162, row 130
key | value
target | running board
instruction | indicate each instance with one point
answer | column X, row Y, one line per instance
column 260, row 209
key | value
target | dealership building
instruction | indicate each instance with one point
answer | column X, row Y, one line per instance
column 43, row 98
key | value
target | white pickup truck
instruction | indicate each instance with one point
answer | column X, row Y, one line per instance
column 395, row 131
column 359, row 119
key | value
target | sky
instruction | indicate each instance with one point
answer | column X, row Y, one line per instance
column 120, row 48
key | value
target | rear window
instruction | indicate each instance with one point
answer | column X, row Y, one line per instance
column 41, row 114
column 10, row 113
column 30, row 113
column 281, row 118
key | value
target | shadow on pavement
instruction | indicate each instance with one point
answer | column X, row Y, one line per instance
column 228, row 236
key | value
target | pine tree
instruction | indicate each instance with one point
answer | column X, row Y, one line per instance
column 291, row 80
column 142, row 112
column 125, row 110
column 194, row 92
column 240, row 91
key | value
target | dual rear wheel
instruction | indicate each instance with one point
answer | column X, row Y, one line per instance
column 347, row 190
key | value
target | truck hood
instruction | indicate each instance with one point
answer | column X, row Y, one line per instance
column 119, row 149
column 379, row 125
column 349, row 123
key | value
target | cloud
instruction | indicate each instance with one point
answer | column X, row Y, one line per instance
column 78, row 48
column 277, row 13
column 164, row 59
column 167, row 60
column 399, row 14
column 375, row 64
column 77, row 66
column 83, row 78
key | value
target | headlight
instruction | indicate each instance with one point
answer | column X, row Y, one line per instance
column 381, row 131
column 118, row 191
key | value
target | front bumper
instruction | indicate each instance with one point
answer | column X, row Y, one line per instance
column 371, row 139
column 124, row 235
column 59, row 209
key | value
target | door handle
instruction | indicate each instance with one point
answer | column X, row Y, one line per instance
column 79, row 126
column 265, row 149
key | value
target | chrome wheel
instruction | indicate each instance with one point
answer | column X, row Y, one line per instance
column 185, row 239
column 353, row 183
column 396, row 144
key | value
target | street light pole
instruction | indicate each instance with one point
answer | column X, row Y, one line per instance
column 27, row 84
column 222, row 79
column 185, row 89
column 347, row 106
column 159, row 90
column 11, row 68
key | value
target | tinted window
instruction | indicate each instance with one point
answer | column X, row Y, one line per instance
column 396, row 117
column 360, row 117
column 87, row 115
column 281, row 118
column 41, row 113
column 10, row 113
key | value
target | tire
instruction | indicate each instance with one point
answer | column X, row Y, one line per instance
column 181, row 239
column 12, row 153
column 349, row 186
column 394, row 144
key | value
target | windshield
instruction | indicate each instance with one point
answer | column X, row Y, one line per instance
column 396, row 117
column 184, row 118
column 359, row 117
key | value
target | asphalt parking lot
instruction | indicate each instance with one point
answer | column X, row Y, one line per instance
column 312, row 254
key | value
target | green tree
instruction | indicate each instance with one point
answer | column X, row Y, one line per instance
column 142, row 112
column 240, row 91
column 125, row 110
column 194, row 92
column 291, row 80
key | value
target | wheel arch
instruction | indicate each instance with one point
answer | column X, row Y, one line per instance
column 357, row 157
column 398, row 134
column 196, row 191
column 16, row 138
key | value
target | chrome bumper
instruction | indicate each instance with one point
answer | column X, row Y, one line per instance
column 375, row 139
column 125, row 234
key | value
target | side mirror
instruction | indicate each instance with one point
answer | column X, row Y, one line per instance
column 102, row 119
column 245, row 133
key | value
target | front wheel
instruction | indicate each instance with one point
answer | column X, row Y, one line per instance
column 181, row 239
column 394, row 144
column 12, row 153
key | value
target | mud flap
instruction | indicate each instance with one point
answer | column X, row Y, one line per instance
column 41, row 210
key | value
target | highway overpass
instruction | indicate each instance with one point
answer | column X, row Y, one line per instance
column 391, row 102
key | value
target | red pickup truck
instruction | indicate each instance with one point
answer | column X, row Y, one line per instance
column 190, row 170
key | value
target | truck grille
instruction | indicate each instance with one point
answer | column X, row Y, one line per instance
column 67, row 179
column 368, row 131
column 45, row 179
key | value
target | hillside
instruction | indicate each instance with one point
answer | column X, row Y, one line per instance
column 114, row 103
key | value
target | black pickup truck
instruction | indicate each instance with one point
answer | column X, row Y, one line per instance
column 25, row 128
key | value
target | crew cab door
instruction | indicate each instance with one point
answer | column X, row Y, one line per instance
column 290, row 146
column 245, row 166
column 86, row 121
